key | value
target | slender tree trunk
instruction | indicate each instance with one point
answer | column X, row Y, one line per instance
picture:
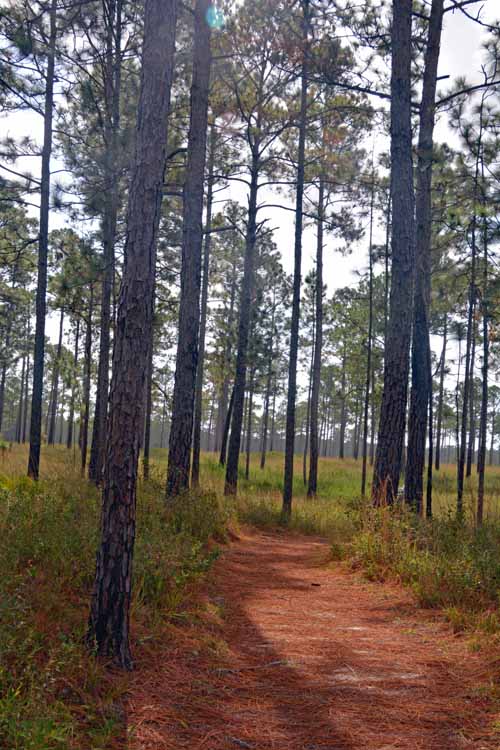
column 318, row 347
column 84, row 425
column 198, row 402
column 373, row 421
column 21, row 402
column 43, row 239
column 457, row 402
column 112, row 92
column 238, row 395
column 481, row 461
column 421, row 377
column 492, row 443
column 55, row 383
column 430, row 460
column 3, row 377
column 369, row 341
column 110, row 607
column 249, row 423
column 267, row 398
column 387, row 252
column 181, row 428
column 308, row 408
column 397, row 346
column 26, row 401
column 470, row 325
column 294, row 329
column 149, row 409
column 71, row 418
column 343, row 409
column 442, row 371
column 273, row 419
column 225, row 434
column 472, row 417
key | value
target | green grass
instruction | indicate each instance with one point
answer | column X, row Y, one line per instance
column 53, row 695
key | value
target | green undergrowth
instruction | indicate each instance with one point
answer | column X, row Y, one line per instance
column 53, row 694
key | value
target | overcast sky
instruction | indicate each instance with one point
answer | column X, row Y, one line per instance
column 460, row 56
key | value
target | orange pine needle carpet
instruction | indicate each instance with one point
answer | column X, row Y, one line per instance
column 286, row 651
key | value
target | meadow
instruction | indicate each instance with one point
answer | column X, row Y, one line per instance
column 53, row 694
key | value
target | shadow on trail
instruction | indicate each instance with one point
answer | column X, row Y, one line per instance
column 307, row 668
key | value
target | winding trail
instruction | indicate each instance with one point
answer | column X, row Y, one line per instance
column 286, row 651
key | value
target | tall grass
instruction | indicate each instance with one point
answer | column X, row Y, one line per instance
column 52, row 693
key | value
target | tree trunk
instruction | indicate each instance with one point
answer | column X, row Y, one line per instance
column 470, row 325
column 472, row 417
column 343, row 409
column 481, row 461
column 147, row 418
column 318, row 347
column 238, row 395
column 308, row 409
column 396, row 361
column 110, row 607
column 198, row 401
column 421, row 377
column 369, row 342
column 26, row 393
column 55, row 384
column 71, row 418
column 181, row 427
column 225, row 434
column 21, row 402
column 112, row 91
column 273, row 419
column 249, row 423
column 267, row 398
column 492, row 443
column 294, row 329
column 84, row 425
column 442, row 369
column 41, row 286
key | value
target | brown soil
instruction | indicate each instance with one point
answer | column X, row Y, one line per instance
column 294, row 653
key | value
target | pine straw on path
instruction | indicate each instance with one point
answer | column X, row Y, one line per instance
column 293, row 653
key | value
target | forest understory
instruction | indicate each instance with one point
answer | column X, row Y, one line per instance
column 348, row 629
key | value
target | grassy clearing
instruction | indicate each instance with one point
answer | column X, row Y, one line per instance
column 52, row 693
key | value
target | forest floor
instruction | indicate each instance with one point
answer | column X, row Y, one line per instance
column 285, row 649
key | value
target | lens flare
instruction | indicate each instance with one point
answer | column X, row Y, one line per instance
column 215, row 18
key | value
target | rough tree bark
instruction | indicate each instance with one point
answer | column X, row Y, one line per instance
column 318, row 346
column 238, row 394
column 481, row 462
column 198, row 400
column 43, row 241
column 368, row 343
column 110, row 606
column 112, row 89
column 71, row 418
column 421, row 377
column 181, row 428
column 396, row 361
column 470, row 325
column 297, row 274
column 51, row 439
column 442, row 370
column 84, row 424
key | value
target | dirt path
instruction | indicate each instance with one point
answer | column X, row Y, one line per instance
column 295, row 654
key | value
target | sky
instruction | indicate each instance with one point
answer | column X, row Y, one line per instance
column 460, row 56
